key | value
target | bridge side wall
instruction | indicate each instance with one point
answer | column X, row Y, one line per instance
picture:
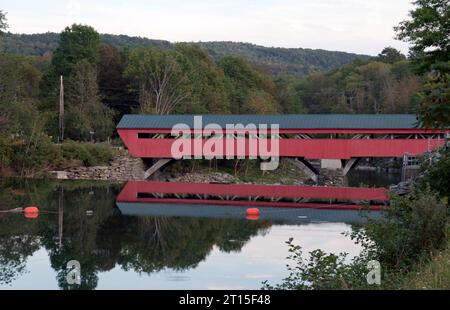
column 308, row 148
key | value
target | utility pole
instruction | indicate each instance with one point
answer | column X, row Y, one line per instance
column 61, row 111
column 60, row 216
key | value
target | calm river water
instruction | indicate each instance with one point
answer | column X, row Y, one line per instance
column 81, row 221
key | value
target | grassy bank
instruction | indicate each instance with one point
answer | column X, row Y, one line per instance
column 432, row 274
column 37, row 159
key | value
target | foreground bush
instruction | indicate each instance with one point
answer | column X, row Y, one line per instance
column 88, row 154
column 411, row 230
column 432, row 274
column 321, row 271
column 438, row 175
column 413, row 225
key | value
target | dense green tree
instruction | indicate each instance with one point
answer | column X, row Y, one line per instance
column 287, row 95
column 391, row 55
column 435, row 101
column 113, row 87
column 85, row 112
column 205, row 81
column 76, row 43
column 19, row 78
column 427, row 31
column 243, row 81
column 76, row 60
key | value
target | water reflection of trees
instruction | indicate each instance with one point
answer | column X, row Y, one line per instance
column 18, row 238
column 14, row 251
column 106, row 239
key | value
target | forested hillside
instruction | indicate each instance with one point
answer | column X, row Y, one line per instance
column 295, row 61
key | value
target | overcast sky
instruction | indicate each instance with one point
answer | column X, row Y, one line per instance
column 362, row 26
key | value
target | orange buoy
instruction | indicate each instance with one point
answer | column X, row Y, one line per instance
column 31, row 212
column 253, row 214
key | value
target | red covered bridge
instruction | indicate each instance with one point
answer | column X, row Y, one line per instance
column 338, row 140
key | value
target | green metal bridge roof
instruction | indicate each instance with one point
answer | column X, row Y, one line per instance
column 300, row 121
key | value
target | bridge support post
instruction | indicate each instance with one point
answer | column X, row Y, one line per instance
column 158, row 165
column 306, row 167
column 349, row 165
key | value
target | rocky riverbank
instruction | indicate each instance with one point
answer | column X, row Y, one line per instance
column 213, row 177
column 121, row 168
column 126, row 168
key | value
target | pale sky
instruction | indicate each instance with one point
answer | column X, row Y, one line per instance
column 361, row 26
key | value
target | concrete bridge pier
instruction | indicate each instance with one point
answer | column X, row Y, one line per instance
column 337, row 164
column 331, row 164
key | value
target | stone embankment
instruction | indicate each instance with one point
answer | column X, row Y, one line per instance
column 126, row 168
column 213, row 177
column 331, row 178
column 121, row 168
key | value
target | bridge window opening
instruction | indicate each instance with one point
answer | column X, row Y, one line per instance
column 145, row 136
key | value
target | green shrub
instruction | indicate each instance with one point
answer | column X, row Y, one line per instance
column 99, row 154
column 88, row 153
column 438, row 175
column 321, row 271
column 412, row 226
